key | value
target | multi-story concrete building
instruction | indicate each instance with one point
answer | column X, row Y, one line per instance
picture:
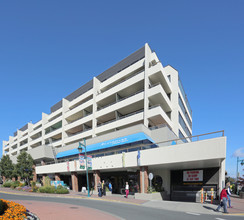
column 136, row 119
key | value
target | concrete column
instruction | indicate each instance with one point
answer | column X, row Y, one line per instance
column 74, row 178
column 97, row 178
column 57, row 177
column 34, row 173
column 143, row 179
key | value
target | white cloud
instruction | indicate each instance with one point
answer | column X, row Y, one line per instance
column 239, row 152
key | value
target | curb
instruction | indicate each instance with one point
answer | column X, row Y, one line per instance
column 69, row 197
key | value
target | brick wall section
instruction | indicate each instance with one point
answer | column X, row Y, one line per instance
column 97, row 178
column 145, row 179
column 74, row 178
column 143, row 170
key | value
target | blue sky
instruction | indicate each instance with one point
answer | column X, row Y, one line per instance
column 50, row 48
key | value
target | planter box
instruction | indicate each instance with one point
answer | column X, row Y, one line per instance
column 150, row 196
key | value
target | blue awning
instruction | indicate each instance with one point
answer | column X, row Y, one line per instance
column 107, row 144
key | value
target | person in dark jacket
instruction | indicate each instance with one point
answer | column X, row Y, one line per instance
column 223, row 200
column 99, row 188
column 104, row 188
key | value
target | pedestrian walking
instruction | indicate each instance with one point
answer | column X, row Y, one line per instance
column 99, row 188
column 126, row 189
column 223, row 200
column 110, row 186
column 104, row 188
column 229, row 194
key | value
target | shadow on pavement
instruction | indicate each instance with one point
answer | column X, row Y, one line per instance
column 209, row 208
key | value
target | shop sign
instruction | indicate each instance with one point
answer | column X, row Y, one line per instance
column 82, row 161
column 57, row 183
column 192, row 175
column 89, row 162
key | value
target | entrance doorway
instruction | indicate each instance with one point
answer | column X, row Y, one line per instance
column 119, row 179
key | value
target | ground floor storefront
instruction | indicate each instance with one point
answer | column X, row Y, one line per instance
column 176, row 185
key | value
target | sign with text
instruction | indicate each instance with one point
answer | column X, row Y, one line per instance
column 89, row 162
column 192, row 175
column 82, row 161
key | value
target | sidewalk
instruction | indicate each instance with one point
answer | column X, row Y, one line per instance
column 205, row 208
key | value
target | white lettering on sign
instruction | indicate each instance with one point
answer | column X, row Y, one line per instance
column 193, row 176
column 115, row 142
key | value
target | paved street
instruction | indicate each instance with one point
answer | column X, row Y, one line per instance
column 62, row 208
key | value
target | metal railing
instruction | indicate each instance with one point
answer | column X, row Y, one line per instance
column 129, row 77
column 79, row 118
column 100, row 108
column 184, row 96
column 121, row 117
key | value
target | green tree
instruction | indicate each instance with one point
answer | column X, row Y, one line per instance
column 25, row 166
column 6, row 167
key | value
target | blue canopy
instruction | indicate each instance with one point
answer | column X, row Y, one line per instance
column 107, row 144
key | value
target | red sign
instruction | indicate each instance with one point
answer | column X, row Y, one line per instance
column 192, row 175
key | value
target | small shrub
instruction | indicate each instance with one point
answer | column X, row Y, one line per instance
column 51, row 189
column 15, row 184
column 61, row 190
column 47, row 181
column 7, row 184
column 35, row 189
column 33, row 184
column 47, row 189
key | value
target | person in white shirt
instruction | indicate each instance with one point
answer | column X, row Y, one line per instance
column 228, row 194
column 126, row 189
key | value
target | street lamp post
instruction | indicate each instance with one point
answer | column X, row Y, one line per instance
column 242, row 163
column 80, row 150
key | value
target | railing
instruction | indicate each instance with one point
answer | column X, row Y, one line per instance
column 151, row 86
column 100, row 108
column 121, row 117
column 87, row 129
column 143, row 146
column 129, row 77
column 79, row 118
column 184, row 96
column 83, row 101
column 155, row 106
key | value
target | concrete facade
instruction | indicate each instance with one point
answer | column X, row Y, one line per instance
column 137, row 95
